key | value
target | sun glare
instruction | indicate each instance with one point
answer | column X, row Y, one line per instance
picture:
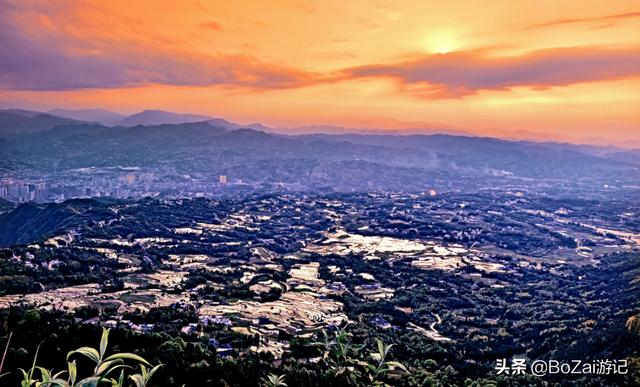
column 441, row 42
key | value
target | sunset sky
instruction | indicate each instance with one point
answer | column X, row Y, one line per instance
column 546, row 69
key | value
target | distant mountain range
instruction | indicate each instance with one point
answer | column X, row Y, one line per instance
column 158, row 117
column 101, row 116
column 42, row 141
column 256, row 155
column 145, row 118
column 15, row 122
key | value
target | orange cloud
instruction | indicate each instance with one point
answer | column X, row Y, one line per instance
column 464, row 73
column 211, row 25
column 610, row 19
column 505, row 65
column 43, row 55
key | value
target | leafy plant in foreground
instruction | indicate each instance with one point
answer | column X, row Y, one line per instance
column 105, row 366
column 348, row 360
column 273, row 380
column 381, row 365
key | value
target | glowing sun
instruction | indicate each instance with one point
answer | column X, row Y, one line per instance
column 441, row 42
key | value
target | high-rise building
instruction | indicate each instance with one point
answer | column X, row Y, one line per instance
column 223, row 179
column 15, row 190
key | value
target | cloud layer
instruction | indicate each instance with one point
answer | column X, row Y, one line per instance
column 48, row 47
column 40, row 53
column 464, row 73
column 608, row 20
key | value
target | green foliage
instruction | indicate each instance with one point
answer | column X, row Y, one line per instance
column 349, row 361
column 105, row 366
column 4, row 355
column 273, row 380
column 381, row 365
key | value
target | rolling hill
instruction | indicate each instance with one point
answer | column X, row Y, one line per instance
column 158, row 117
column 203, row 147
column 30, row 221
column 101, row 116
column 16, row 122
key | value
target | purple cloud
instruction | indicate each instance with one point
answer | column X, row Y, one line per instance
column 462, row 73
column 35, row 56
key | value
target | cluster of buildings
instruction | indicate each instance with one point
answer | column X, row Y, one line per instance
column 20, row 191
column 120, row 183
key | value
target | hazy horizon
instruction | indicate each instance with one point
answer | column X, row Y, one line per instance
column 409, row 128
column 532, row 70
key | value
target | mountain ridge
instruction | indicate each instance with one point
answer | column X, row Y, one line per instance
column 101, row 116
column 203, row 147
